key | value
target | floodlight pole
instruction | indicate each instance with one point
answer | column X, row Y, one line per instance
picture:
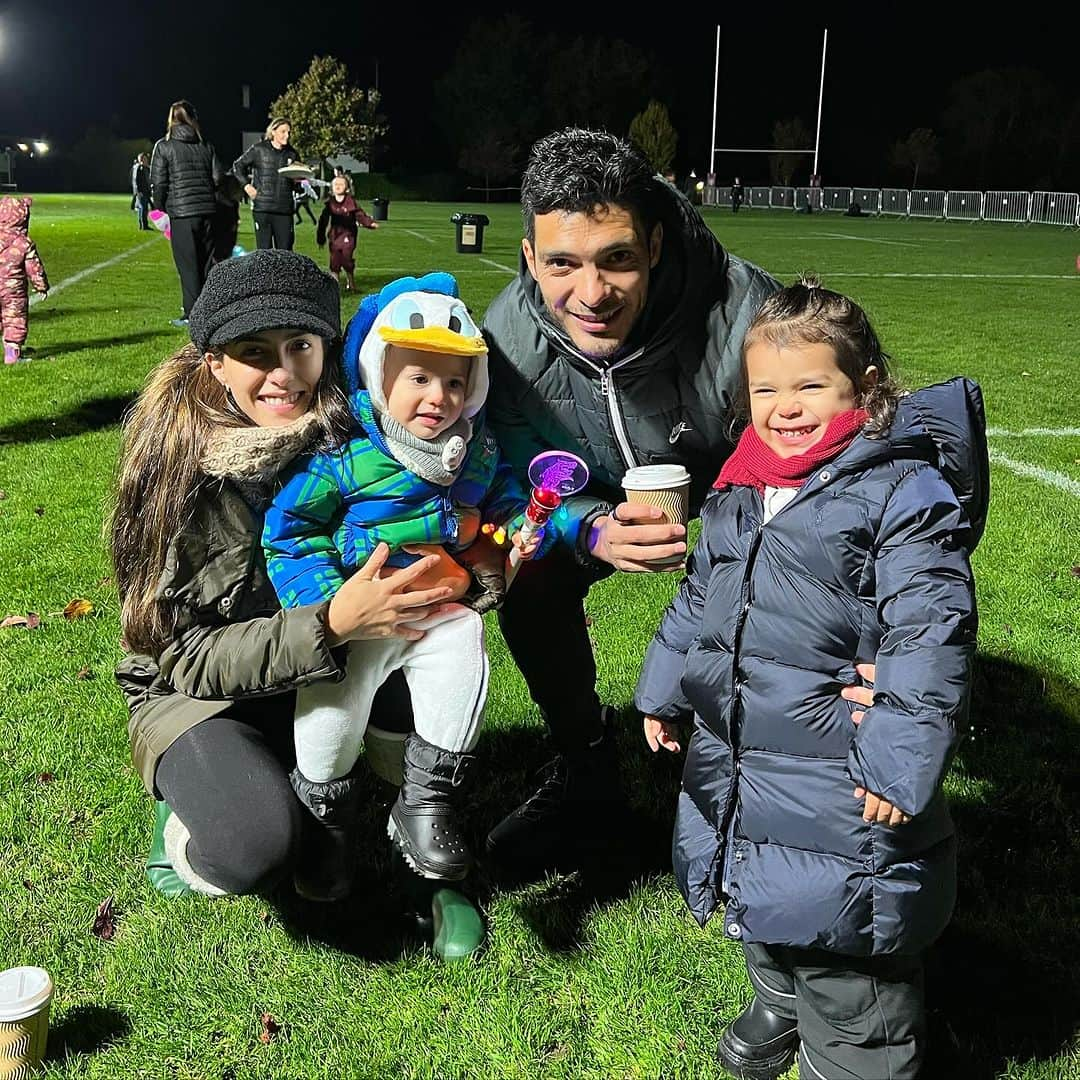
column 715, row 87
column 821, row 95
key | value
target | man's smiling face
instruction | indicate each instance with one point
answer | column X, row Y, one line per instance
column 593, row 272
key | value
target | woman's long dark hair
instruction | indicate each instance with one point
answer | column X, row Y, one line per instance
column 182, row 112
column 165, row 437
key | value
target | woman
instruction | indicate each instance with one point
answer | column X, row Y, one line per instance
column 212, row 657
column 271, row 193
column 184, row 171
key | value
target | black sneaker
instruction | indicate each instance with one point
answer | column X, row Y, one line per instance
column 758, row 1044
column 575, row 815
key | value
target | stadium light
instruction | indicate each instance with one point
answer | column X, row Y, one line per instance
column 23, row 147
column 41, row 147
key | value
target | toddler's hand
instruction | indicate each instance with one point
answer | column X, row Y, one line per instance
column 527, row 549
column 881, row 810
column 661, row 733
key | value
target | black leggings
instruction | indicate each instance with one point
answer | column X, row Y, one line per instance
column 228, row 783
column 227, row 780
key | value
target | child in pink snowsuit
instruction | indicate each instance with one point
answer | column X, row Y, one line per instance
column 20, row 266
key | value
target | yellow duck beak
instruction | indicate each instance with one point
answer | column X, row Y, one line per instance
column 437, row 339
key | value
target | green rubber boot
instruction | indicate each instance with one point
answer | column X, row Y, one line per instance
column 158, row 868
column 456, row 924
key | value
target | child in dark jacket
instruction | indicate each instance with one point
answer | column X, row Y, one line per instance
column 835, row 531
column 344, row 217
column 419, row 474
column 20, row 267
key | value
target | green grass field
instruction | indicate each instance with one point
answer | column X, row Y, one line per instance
column 580, row 978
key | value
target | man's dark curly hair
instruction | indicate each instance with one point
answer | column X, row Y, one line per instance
column 575, row 170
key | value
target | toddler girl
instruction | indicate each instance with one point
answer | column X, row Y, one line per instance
column 838, row 529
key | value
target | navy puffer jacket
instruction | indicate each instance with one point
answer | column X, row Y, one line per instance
column 869, row 562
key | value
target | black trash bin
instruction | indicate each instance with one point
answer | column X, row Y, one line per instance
column 470, row 232
column 380, row 208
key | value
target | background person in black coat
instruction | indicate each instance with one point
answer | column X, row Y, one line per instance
column 140, row 189
column 184, row 172
column 271, row 193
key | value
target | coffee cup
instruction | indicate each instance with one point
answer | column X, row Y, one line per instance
column 666, row 487
column 25, row 996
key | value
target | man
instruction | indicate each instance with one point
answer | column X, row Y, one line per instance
column 619, row 341
column 140, row 189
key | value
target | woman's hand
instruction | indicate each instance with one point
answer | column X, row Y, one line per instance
column 661, row 733
column 369, row 606
column 861, row 695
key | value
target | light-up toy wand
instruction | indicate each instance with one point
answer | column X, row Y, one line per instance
column 554, row 474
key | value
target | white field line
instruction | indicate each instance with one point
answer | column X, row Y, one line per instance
column 864, row 239
column 498, row 266
column 420, row 236
column 75, row 278
column 1034, row 432
column 1036, row 472
column 976, row 277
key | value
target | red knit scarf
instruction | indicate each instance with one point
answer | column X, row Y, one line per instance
column 753, row 464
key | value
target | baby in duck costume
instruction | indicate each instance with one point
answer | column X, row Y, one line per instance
column 421, row 469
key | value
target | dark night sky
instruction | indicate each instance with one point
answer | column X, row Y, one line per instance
column 65, row 66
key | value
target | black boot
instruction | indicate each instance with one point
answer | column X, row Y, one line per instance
column 758, row 1044
column 327, row 867
column 574, row 820
column 422, row 822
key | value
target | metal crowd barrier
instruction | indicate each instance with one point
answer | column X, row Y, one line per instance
column 1018, row 207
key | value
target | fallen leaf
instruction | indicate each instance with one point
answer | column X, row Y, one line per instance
column 1075, row 571
column 3, row 494
column 105, row 920
column 84, row 673
column 39, row 510
column 270, row 1027
column 77, row 608
column 588, row 620
column 45, row 777
column 27, row 884
column 31, row 620
column 1026, row 373
column 105, row 581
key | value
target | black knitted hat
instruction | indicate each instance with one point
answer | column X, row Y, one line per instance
column 266, row 290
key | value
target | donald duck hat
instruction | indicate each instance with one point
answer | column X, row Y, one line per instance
column 422, row 313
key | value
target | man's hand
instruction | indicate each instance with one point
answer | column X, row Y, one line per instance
column 635, row 537
column 661, row 733
column 881, row 810
column 861, row 695
column 251, row 190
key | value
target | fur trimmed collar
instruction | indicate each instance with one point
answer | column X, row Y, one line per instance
column 255, row 455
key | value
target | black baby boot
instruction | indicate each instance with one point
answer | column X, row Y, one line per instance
column 327, row 867
column 423, row 823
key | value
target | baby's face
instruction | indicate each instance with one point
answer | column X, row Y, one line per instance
column 425, row 391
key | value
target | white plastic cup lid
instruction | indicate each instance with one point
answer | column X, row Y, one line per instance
column 23, row 991
column 647, row 477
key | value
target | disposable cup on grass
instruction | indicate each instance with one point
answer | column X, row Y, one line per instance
column 25, row 996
